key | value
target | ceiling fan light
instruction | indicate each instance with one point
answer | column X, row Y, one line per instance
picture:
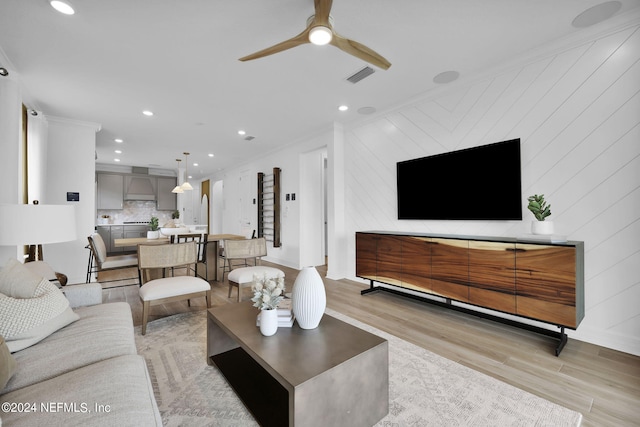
column 320, row 35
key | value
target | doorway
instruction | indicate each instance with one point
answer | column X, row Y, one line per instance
column 313, row 210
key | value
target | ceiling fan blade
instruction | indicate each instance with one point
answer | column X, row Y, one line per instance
column 323, row 9
column 360, row 51
column 301, row 38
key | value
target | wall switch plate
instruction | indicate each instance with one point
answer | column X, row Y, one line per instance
column 293, row 196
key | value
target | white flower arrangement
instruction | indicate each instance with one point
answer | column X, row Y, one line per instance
column 267, row 291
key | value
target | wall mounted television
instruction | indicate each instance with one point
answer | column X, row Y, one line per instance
column 478, row 183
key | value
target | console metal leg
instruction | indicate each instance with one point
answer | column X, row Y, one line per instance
column 371, row 289
column 563, row 341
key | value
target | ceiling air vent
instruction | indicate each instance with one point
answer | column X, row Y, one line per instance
column 141, row 170
column 365, row 72
column 249, row 138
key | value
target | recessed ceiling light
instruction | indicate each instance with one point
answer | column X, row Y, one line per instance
column 195, row 164
column 210, row 154
column 116, row 160
column 241, row 132
column 147, row 113
column 343, row 108
column 596, row 14
column 62, row 7
column 446, row 77
column 118, row 151
column 119, row 140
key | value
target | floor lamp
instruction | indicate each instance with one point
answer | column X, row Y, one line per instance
column 35, row 225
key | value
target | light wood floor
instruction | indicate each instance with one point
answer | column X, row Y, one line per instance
column 602, row 384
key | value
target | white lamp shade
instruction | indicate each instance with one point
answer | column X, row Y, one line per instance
column 186, row 186
column 177, row 189
column 36, row 224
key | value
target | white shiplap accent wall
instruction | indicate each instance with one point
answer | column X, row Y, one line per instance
column 577, row 112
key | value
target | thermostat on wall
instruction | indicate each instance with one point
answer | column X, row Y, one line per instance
column 73, row 197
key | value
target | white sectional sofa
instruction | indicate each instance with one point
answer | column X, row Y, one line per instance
column 87, row 373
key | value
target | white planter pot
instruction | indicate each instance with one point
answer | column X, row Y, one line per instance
column 542, row 227
column 308, row 298
column 153, row 234
column 268, row 322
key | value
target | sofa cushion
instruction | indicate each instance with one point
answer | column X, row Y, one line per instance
column 26, row 321
column 17, row 281
column 113, row 392
column 7, row 364
column 103, row 331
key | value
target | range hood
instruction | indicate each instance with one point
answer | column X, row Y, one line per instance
column 140, row 188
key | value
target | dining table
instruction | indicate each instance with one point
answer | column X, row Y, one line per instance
column 213, row 247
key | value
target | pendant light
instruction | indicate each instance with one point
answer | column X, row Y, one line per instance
column 178, row 189
column 185, row 185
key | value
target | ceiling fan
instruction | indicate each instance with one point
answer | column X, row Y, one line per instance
column 320, row 31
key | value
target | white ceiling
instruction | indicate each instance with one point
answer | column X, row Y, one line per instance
column 179, row 59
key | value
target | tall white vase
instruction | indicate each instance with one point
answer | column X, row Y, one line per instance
column 308, row 298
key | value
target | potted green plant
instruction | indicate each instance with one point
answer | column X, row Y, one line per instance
column 153, row 232
column 540, row 210
column 175, row 215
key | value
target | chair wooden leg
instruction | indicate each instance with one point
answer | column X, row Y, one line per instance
column 145, row 315
column 208, row 298
column 230, row 286
column 239, row 292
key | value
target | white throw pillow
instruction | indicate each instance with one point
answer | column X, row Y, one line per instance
column 26, row 321
column 17, row 281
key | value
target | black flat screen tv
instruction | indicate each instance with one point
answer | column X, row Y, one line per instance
column 479, row 183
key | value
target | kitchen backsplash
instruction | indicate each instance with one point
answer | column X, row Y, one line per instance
column 138, row 211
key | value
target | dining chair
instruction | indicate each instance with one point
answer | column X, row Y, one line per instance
column 241, row 275
column 153, row 259
column 99, row 261
column 201, row 243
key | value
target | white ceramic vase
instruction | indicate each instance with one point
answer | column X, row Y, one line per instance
column 153, row 234
column 268, row 322
column 542, row 227
column 308, row 298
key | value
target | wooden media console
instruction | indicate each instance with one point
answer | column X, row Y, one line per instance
column 528, row 278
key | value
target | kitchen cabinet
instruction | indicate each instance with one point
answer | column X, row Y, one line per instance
column 134, row 231
column 110, row 192
column 167, row 201
column 117, row 232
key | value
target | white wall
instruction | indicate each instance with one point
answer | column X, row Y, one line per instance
column 71, row 168
column 10, row 137
column 577, row 112
column 291, row 253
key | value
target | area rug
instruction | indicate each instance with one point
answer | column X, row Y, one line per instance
column 424, row 388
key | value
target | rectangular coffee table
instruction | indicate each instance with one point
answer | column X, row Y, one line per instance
column 334, row 375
